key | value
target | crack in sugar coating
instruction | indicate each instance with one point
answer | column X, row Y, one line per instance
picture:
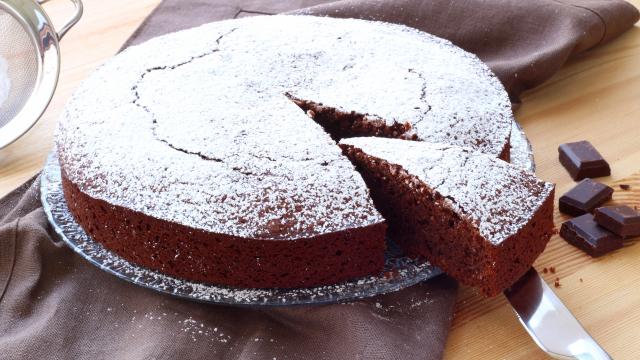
column 497, row 197
column 218, row 92
column 171, row 67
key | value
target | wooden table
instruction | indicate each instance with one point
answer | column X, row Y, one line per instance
column 595, row 97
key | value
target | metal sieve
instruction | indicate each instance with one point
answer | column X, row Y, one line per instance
column 29, row 64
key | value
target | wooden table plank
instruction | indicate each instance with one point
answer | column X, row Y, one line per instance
column 595, row 97
column 602, row 293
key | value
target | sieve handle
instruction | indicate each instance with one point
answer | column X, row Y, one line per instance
column 74, row 20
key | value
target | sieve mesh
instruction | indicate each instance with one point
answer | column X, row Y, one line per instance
column 18, row 67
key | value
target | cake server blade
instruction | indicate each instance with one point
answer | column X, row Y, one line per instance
column 551, row 325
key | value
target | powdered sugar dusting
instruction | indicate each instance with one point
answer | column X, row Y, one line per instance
column 135, row 134
column 497, row 197
column 399, row 271
column 198, row 330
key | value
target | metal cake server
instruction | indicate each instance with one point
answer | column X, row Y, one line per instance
column 551, row 325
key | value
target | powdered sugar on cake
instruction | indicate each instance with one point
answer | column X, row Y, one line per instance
column 195, row 127
column 497, row 197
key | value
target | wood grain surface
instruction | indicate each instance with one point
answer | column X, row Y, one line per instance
column 594, row 97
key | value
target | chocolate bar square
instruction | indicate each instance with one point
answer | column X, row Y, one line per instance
column 585, row 234
column 584, row 197
column 621, row 220
column 582, row 160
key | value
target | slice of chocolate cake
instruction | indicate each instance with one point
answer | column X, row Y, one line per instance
column 482, row 220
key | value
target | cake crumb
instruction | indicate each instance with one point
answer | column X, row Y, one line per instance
column 545, row 270
column 552, row 269
column 580, row 279
column 625, row 186
column 556, row 283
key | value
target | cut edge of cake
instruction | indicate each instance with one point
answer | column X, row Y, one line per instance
column 341, row 124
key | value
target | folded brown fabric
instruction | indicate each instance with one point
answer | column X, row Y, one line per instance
column 55, row 305
column 523, row 42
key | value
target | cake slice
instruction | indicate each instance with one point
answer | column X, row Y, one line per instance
column 480, row 219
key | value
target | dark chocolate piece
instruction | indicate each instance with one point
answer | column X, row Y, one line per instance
column 621, row 220
column 584, row 197
column 625, row 186
column 585, row 234
column 582, row 160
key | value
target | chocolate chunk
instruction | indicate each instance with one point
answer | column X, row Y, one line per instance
column 625, row 186
column 582, row 160
column 584, row 197
column 621, row 220
column 584, row 233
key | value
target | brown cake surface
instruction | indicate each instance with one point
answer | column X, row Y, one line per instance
column 196, row 148
column 194, row 254
column 481, row 220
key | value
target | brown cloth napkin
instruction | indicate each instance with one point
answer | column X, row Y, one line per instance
column 523, row 41
column 54, row 305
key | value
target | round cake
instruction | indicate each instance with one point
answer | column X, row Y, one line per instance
column 210, row 154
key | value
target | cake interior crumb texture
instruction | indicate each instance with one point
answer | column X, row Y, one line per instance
column 225, row 134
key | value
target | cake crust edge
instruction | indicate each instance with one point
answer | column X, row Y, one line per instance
column 198, row 255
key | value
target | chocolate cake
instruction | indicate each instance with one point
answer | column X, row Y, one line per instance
column 207, row 154
column 481, row 220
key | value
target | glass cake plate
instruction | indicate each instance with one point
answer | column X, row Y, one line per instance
column 399, row 271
